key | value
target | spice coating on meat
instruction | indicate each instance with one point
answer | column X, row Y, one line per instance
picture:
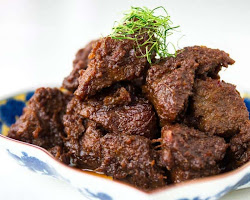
column 132, row 159
column 169, row 89
column 82, row 140
column 210, row 60
column 189, row 153
column 240, row 147
column 41, row 122
column 59, row 152
column 84, row 147
column 111, row 61
column 117, row 110
column 170, row 82
column 80, row 63
column 126, row 157
column 129, row 158
column 217, row 108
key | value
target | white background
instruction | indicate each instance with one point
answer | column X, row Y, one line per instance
column 38, row 41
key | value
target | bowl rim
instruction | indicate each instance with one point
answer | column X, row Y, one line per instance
column 152, row 192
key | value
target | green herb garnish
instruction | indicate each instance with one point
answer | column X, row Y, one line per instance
column 139, row 22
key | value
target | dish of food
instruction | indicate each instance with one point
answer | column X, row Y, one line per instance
column 95, row 186
column 133, row 111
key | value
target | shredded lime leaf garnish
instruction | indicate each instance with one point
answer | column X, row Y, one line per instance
column 139, row 22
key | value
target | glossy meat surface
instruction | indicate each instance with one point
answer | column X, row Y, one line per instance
column 240, row 147
column 131, row 158
column 118, row 110
column 60, row 153
column 217, row 108
column 41, row 122
column 169, row 83
column 83, row 143
column 169, row 88
column 210, row 60
column 111, row 61
column 80, row 63
column 188, row 153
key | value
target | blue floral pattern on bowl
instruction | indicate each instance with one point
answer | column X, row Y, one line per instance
column 11, row 109
column 38, row 166
column 243, row 181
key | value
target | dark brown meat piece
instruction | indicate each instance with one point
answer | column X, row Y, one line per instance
column 130, row 158
column 59, row 153
column 118, row 110
column 189, row 153
column 217, row 108
column 41, row 122
column 169, row 83
column 168, row 86
column 112, row 61
column 83, row 142
column 240, row 147
column 210, row 60
column 91, row 147
column 80, row 63
column 127, row 158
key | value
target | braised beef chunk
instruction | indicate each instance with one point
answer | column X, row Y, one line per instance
column 80, row 63
column 240, row 147
column 41, row 122
column 118, row 110
column 210, row 60
column 125, row 157
column 83, row 143
column 132, row 159
column 217, row 108
column 60, row 153
column 91, row 147
column 168, row 86
column 189, row 153
column 81, row 135
column 111, row 61
column 179, row 175
column 169, row 83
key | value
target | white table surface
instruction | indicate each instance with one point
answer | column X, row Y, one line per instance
column 38, row 40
